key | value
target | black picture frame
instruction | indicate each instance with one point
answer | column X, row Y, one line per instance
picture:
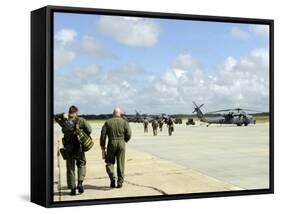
column 42, row 105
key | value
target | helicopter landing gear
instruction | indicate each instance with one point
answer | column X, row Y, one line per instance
column 239, row 124
column 246, row 124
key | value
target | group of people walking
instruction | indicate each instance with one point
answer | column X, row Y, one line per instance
column 155, row 124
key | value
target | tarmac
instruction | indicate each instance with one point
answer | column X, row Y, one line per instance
column 194, row 159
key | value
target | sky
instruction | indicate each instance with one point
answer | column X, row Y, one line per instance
column 158, row 65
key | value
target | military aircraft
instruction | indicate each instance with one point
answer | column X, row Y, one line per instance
column 236, row 116
column 166, row 117
column 137, row 118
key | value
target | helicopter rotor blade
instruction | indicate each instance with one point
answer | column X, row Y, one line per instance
column 224, row 110
column 247, row 110
column 195, row 104
column 234, row 109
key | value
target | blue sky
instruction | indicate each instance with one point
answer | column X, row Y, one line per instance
column 156, row 47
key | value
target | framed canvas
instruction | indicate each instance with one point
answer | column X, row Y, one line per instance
column 134, row 106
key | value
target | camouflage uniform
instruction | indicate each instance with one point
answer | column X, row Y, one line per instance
column 118, row 132
column 154, row 127
column 73, row 150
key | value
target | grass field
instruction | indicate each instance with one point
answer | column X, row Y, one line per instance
column 97, row 121
column 262, row 119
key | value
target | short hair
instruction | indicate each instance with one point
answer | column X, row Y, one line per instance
column 72, row 109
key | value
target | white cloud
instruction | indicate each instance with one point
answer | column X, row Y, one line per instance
column 90, row 46
column 92, row 89
column 67, row 48
column 244, row 81
column 261, row 54
column 239, row 33
column 252, row 31
column 128, row 69
column 260, row 30
column 64, row 52
column 85, row 72
column 65, row 35
column 179, row 73
column 229, row 63
column 131, row 18
column 133, row 32
column 185, row 62
column 63, row 55
column 236, row 82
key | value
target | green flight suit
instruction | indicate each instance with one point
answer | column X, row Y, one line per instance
column 161, row 123
column 145, row 125
column 75, row 155
column 118, row 132
column 170, row 127
column 154, row 127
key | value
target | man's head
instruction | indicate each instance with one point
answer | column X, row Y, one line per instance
column 117, row 112
column 73, row 111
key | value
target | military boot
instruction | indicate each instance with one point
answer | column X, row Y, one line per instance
column 80, row 187
column 119, row 185
column 73, row 191
column 112, row 183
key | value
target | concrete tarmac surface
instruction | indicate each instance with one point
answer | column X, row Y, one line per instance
column 194, row 159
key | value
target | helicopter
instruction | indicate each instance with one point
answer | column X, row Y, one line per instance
column 236, row 116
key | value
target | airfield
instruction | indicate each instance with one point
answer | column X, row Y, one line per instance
column 194, row 159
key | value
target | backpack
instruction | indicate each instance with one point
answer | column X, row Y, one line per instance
column 85, row 140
